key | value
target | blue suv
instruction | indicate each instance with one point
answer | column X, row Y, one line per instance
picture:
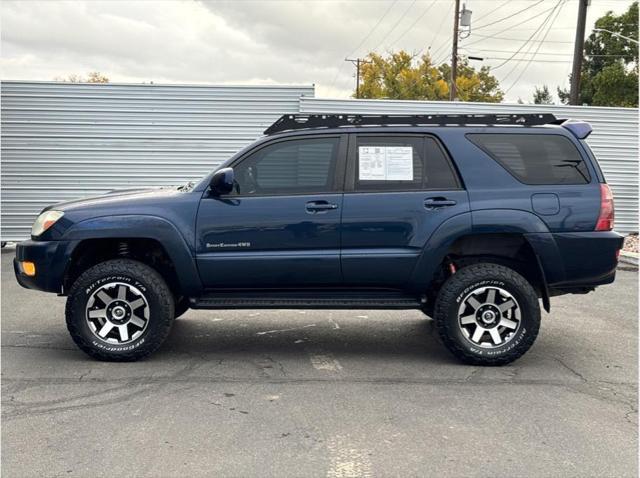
column 473, row 219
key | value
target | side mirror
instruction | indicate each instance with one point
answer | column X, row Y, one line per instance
column 222, row 181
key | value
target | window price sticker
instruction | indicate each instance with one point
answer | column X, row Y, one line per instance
column 385, row 163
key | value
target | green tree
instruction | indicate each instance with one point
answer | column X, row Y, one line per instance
column 610, row 64
column 541, row 96
column 402, row 76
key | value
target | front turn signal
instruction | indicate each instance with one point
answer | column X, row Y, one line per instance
column 29, row 268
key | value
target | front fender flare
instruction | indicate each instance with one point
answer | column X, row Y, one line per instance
column 143, row 227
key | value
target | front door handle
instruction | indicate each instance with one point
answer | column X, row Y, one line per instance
column 438, row 202
column 314, row 207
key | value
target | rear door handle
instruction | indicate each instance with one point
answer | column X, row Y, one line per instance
column 314, row 207
column 435, row 203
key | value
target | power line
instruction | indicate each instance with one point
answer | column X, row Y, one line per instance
column 531, row 45
column 568, row 60
column 511, row 51
column 492, row 37
column 443, row 46
column 448, row 12
column 395, row 25
column 414, row 23
column 509, row 16
column 384, row 15
column 526, row 20
column 494, row 10
column 475, row 51
column 557, row 13
column 526, row 42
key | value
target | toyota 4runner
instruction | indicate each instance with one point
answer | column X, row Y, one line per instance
column 472, row 219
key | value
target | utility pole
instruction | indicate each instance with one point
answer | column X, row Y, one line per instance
column 454, row 53
column 357, row 62
column 578, row 52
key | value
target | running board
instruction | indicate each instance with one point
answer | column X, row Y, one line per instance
column 305, row 300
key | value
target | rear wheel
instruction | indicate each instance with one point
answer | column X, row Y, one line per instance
column 487, row 314
column 119, row 310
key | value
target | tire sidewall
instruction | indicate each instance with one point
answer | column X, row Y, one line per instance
column 523, row 336
column 148, row 340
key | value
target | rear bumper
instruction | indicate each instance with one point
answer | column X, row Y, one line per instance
column 577, row 261
column 590, row 259
column 50, row 259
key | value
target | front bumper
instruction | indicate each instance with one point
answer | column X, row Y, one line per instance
column 50, row 258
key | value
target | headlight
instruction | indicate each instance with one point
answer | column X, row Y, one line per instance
column 45, row 221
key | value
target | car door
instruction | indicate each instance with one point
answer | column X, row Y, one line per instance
column 400, row 188
column 280, row 227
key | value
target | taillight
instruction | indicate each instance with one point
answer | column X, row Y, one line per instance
column 605, row 219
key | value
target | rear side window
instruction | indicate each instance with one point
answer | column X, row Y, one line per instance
column 535, row 158
column 396, row 163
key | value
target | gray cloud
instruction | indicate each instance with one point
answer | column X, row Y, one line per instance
column 266, row 41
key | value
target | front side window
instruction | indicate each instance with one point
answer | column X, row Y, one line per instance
column 396, row 163
column 535, row 159
column 289, row 167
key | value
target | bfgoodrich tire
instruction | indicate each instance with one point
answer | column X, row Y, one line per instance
column 119, row 310
column 487, row 314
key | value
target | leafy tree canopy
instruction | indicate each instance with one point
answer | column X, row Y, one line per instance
column 610, row 65
column 541, row 96
column 402, row 76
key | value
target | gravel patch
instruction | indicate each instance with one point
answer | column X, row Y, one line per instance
column 631, row 243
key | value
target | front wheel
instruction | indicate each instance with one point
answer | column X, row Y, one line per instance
column 487, row 314
column 119, row 310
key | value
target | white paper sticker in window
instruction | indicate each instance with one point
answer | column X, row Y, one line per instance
column 385, row 163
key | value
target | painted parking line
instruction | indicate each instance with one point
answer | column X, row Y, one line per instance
column 324, row 361
column 346, row 460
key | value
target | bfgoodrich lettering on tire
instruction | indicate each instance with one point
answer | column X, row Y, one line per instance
column 119, row 310
column 487, row 314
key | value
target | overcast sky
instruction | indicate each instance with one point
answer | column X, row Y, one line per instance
column 284, row 42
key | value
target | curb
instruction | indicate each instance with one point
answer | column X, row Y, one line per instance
column 629, row 258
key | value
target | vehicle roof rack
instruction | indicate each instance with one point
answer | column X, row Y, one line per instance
column 292, row 122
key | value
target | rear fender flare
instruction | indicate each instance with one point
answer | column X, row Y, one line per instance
column 436, row 249
column 535, row 232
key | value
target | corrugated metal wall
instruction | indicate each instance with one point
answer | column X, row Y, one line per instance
column 614, row 139
column 62, row 141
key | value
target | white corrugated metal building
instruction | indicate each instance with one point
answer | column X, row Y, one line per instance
column 62, row 141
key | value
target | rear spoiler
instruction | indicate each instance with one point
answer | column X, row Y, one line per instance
column 580, row 129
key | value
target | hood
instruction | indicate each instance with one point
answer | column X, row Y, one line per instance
column 117, row 198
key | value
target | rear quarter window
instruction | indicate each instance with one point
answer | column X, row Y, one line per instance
column 535, row 158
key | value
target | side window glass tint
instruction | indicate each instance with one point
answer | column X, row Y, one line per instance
column 439, row 173
column 289, row 167
column 389, row 163
column 535, row 158
column 396, row 163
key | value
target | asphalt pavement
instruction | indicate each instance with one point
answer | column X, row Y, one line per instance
column 321, row 394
